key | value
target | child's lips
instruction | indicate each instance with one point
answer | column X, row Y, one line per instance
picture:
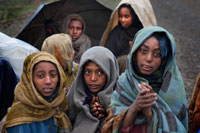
column 47, row 90
column 146, row 67
column 93, row 86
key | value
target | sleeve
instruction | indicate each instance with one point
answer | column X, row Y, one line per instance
column 196, row 113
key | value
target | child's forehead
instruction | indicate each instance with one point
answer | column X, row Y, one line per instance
column 44, row 64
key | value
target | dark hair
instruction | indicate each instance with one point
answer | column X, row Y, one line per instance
column 163, row 43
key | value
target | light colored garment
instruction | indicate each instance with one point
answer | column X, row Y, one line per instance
column 83, row 121
column 15, row 51
column 60, row 45
column 29, row 106
column 143, row 10
column 83, row 42
column 170, row 109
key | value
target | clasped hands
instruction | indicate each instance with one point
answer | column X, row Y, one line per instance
column 96, row 108
column 145, row 99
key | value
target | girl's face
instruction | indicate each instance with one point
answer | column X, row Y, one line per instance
column 75, row 29
column 45, row 78
column 94, row 77
column 148, row 56
column 125, row 17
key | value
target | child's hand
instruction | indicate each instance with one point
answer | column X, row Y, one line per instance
column 96, row 108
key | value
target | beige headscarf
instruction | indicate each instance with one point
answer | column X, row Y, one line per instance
column 143, row 10
column 60, row 45
column 83, row 43
column 28, row 101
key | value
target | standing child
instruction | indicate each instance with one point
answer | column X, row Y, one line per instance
column 40, row 101
column 127, row 19
column 75, row 27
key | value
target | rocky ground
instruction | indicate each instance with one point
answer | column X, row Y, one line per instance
column 182, row 19
column 179, row 17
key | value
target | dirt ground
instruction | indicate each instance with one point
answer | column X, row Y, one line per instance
column 182, row 19
column 179, row 17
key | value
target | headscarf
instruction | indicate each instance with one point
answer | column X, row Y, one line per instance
column 143, row 9
column 170, row 109
column 60, row 45
column 79, row 112
column 28, row 100
column 83, row 42
column 118, row 40
column 156, row 78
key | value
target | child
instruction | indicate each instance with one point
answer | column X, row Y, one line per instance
column 150, row 94
column 129, row 17
column 76, row 29
column 91, row 91
column 60, row 45
column 40, row 101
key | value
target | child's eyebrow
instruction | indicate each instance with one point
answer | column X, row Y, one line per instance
column 148, row 47
column 145, row 46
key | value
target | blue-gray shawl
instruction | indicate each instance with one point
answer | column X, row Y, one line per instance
column 170, row 109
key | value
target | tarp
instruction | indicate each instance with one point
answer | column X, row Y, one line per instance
column 15, row 51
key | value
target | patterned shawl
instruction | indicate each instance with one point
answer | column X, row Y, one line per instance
column 29, row 106
column 83, row 43
column 79, row 113
column 170, row 109
column 60, row 45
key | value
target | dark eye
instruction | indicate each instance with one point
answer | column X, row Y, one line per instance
column 127, row 16
column 40, row 75
column 70, row 27
column 143, row 51
column 53, row 75
column 87, row 72
column 100, row 72
column 157, row 54
column 79, row 28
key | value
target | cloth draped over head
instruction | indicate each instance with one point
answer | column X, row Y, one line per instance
column 81, row 44
column 60, row 45
column 143, row 9
column 79, row 113
column 170, row 109
column 28, row 100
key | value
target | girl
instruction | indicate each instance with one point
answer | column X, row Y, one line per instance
column 125, row 21
column 150, row 94
column 75, row 26
column 60, row 45
column 40, row 101
column 91, row 91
